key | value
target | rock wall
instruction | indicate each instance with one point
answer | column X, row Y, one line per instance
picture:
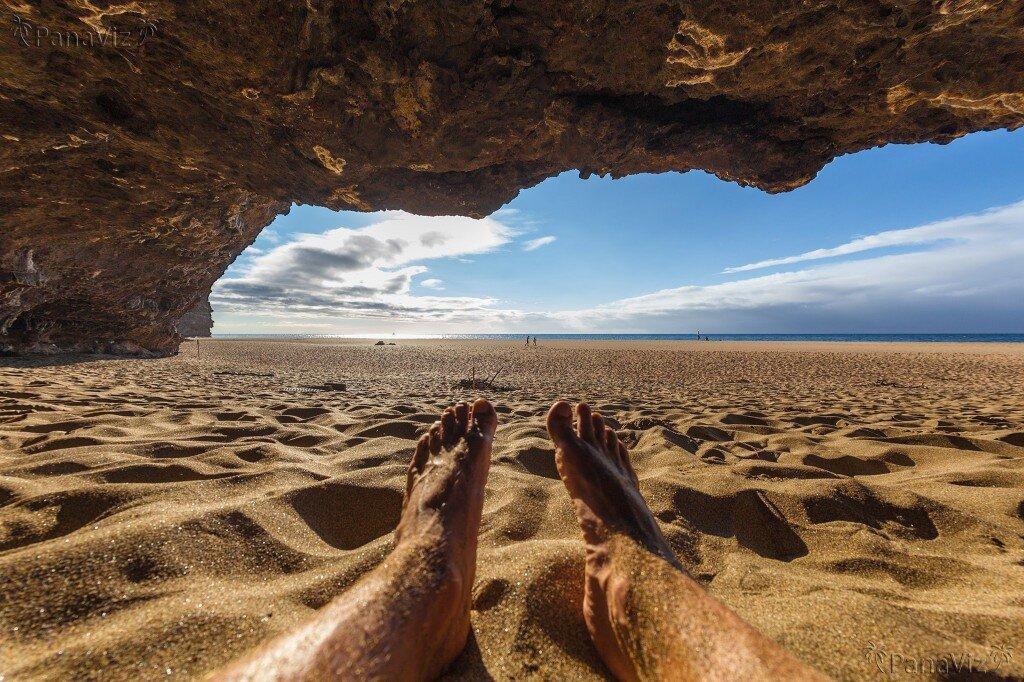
column 198, row 322
column 146, row 144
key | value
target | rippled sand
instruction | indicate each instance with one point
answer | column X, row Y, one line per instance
column 863, row 504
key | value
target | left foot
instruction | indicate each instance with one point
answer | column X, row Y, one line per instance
column 409, row 617
column 441, row 520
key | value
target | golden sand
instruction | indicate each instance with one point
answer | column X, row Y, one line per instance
column 862, row 504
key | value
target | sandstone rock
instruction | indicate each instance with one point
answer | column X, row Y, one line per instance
column 198, row 322
column 133, row 173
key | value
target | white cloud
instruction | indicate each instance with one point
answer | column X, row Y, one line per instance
column 538, row 242
column 270, row 235
column 363, row 272
column 432, row 283
column 952, row 228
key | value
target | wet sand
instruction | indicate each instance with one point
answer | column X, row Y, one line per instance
column 862, row 504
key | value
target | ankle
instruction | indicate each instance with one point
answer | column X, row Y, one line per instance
column 425, row 553
column 629, row 554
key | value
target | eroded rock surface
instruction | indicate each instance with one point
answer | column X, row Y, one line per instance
column 133, row 172
column 198, row 322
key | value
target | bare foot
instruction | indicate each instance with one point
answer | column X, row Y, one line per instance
column 647, row 618
column 409, row 617
column 596, row 470
column 441, row 516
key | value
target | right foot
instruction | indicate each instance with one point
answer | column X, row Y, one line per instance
column 647, row 617
column 600, row 478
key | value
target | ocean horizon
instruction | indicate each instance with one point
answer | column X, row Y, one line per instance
column 879, row 338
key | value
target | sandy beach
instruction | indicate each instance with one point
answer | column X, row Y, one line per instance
column 862, row 504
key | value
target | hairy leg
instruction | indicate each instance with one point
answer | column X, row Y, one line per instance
column 408, row 618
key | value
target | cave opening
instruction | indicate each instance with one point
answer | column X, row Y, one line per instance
column 691, row 241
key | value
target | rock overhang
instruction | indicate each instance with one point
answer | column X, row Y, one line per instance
column 132, row 175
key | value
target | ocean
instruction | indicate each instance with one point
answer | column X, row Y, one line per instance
column 880, row 338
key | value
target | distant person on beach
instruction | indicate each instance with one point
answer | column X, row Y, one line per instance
column 409, row 617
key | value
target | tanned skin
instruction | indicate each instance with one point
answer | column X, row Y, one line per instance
column 647, row 617
column 409, row 617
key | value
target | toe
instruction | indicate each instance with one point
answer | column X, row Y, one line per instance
column 611, row 443
column 585, row 423
column 434, row 435
column 419, row 460
column 449, row 432
column 484, row 418
column 599, row 430
column 461, row 419
column 559, row 424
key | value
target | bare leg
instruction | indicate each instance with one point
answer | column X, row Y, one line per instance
column 409, row 618
column 647, row 617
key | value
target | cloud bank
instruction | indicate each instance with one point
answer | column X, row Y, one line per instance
column 364, row 272
column 968, row 279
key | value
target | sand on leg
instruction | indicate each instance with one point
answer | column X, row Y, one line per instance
column 409, row 617
column 647, row 617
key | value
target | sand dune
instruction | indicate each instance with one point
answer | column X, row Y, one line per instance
column 861, row 504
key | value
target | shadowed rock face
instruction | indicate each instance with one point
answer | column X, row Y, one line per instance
column 197, row 322
column 132, row 175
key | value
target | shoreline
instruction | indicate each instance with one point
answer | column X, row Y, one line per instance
column 1007, row 337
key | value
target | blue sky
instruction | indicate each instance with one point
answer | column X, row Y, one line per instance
column 666, row 253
